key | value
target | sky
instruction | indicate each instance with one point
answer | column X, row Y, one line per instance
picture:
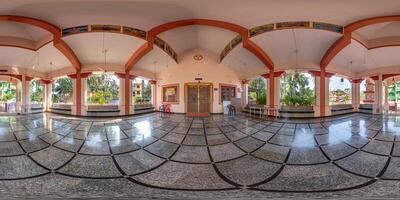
column 335, row 83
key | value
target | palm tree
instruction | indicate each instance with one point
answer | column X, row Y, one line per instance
column 62, row 90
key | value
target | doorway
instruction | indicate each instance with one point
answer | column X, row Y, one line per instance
column 198, row 99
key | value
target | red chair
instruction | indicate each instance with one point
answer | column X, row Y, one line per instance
column 168, row 108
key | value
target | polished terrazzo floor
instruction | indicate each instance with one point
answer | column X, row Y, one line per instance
column 176, row 157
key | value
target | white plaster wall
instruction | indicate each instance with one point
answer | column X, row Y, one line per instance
column 188, row 69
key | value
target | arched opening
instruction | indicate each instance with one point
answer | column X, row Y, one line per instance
column 339, row 91
column 392, row 98
column 8, row 95
column 257, row 94
column 102, row 89
column 367, row 91
column 142, row 95
column 141, row 91
column 36, row 94
column 297, row 89
column 297, row 94
column 62, row 91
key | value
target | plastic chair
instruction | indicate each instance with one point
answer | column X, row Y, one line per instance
column 167, row 108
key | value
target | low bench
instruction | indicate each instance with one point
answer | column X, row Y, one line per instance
column 341, row 109
column 61, row 109
column 103, row 110
column 366, row 108
column 37, row 109
column 143, row 108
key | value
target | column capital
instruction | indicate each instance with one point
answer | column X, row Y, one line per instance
column 375, row 78
column 318, row 73
column 123, row 75
column 245, row 81
column 276, row 74
column 45, row 81
column 82, row 75
column 153, row 82
column 28, row 78
column 356, row 80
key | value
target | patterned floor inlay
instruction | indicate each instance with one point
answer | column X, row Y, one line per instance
column 217, row 157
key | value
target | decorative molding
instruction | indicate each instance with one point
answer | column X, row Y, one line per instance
column 318, row 74
column 276, row 74
column 123, row 75
column 345, row 40
column 281, row 26
column 82, row 75
column 153, row 82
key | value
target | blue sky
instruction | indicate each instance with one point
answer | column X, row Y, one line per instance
column 335, row 83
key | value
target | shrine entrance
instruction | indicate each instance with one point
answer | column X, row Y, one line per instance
column 198, row 99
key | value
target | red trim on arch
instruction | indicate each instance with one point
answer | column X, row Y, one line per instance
column 318, row 73
column 276, row 74
column 247, row 43
column 345, row 40
column 54, row 30
column 138, row 54
column 67, row 51
column 374, row 78
column 258, row 52
column 19, row 77
column 356, row 80
column 386, row 76
column 187, row 22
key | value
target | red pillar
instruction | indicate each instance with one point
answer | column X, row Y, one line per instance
column 271, row 89
column 78, row 93
column 127, row 93
column 322, row 92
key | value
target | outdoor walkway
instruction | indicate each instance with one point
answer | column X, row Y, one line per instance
column 175, row 157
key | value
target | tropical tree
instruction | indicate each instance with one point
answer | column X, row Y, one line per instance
column 62, row 90
column 295, row 90
column 7, row 92
column 102, row 89
column 257, row 91
column 36, row 91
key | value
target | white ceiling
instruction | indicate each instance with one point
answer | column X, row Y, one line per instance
column 21, row 30
column 281, row 46
column 146, row 14
column 387, row 29
column 363, row 59
column 191, row 37
column 39, row 60
column 244, row 63
column 16, row 57
column 89, row 47
column 155, row 61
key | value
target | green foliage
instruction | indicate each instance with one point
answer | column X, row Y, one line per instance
column 295, row 90
column 100, row 97
column 36, row 91
column 102, row 88
column 257, row 91
column 7, row 92
column 62, row 90
column 394, row 91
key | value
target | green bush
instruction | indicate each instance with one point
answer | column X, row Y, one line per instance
column 295, row 90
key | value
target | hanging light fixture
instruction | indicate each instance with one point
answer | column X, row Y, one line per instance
column 296, row 73
column 104, row 51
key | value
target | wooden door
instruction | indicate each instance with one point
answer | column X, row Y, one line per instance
column 198, row 99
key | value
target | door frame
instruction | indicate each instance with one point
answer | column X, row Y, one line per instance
column 211, row 99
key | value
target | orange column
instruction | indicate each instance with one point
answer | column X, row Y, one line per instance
column 271, row 89
column 127, row 93
column 78, row 93
column 322, row 92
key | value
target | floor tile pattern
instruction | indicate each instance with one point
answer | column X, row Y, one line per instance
column 239, row 156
